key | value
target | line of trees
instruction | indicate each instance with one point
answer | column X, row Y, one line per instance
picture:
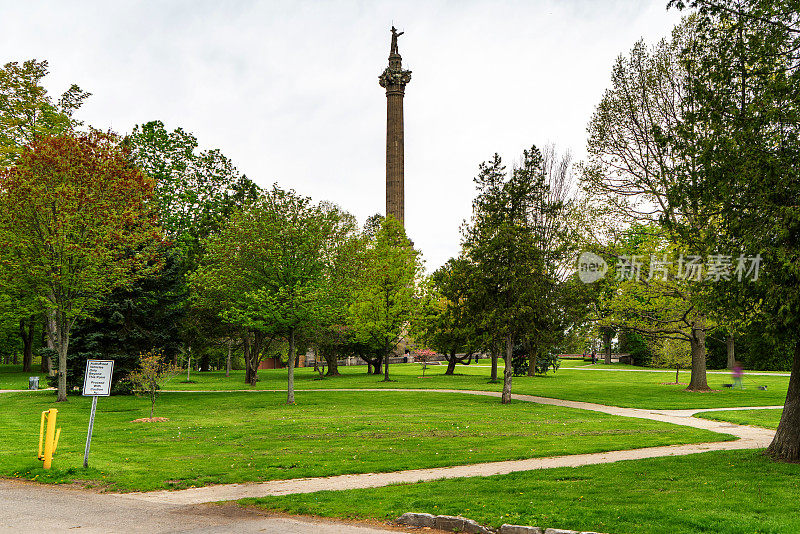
column 115, row 246
column 693, row 150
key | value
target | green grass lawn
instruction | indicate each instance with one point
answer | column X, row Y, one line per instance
column 763, row 418
column 634, row 390
column 235, row 437
column 712, row 492
column 12, row 377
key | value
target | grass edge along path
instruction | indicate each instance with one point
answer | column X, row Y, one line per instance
column 234, row 438
column 709, row 493
column 749, row 438
column 762, row 418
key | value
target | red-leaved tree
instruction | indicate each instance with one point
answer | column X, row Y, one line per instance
column 76, row 221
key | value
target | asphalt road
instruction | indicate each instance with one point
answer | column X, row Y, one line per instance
column 33, row 508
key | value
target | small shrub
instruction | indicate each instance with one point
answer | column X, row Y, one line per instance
column 423, row 356
column 153, row 372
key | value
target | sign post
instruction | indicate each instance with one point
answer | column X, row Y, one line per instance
column 96, row 383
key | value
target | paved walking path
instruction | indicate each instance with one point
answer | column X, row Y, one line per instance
column 33, row 508
column 599, row 367
column 672, row 371
column 748, row 438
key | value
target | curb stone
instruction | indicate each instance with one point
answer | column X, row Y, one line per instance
column 459, row 524
column 456, row 523
column 416, row 520
column 443, row 522
column 519, row 529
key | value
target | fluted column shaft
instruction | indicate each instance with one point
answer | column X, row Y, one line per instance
column 395, row 201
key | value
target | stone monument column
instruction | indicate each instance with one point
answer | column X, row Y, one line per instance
column 394, row 80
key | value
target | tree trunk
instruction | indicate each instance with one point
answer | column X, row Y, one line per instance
column 677, row 373
column 228, row 362
column 386, row 368
column 373, row 365
column 47, row 363
column 246, row 355
column 255, row 356
column 46, row 366
column 494, row 366
column 333, row 365
column 508, row 372
column 188, row 362
column 698, row 380
column 62, row 373
column 251, row 350
column 26, row 333
column 786, row 443
column 529, row 347
column 290, row 363
column 607, row 346
column 451, row 363
column 60, row 338
column 730, row 347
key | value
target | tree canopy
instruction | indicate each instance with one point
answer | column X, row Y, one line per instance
column 76, row 221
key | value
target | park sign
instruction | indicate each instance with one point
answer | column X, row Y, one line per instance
column 97, row 380
column 96, row 383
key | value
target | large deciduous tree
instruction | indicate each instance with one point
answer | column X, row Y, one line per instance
column 76, row 221
column 267, row 270
column 746, row 93
column 28, row 113
column 637, row 167
column 386, row 299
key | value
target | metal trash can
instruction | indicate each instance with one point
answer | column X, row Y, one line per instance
column 33, row 382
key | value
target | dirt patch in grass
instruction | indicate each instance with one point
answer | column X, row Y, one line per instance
column 151, row 420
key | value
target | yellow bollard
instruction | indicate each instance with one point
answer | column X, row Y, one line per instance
column 55, row 443
column 41, row 434
column 50, row 437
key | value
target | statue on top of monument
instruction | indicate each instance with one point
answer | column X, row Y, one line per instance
column 395, row 35
column 394, row 78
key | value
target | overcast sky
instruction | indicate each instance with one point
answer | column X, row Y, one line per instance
column 289, row 90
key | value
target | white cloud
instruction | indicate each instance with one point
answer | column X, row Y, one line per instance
column 289, row 90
